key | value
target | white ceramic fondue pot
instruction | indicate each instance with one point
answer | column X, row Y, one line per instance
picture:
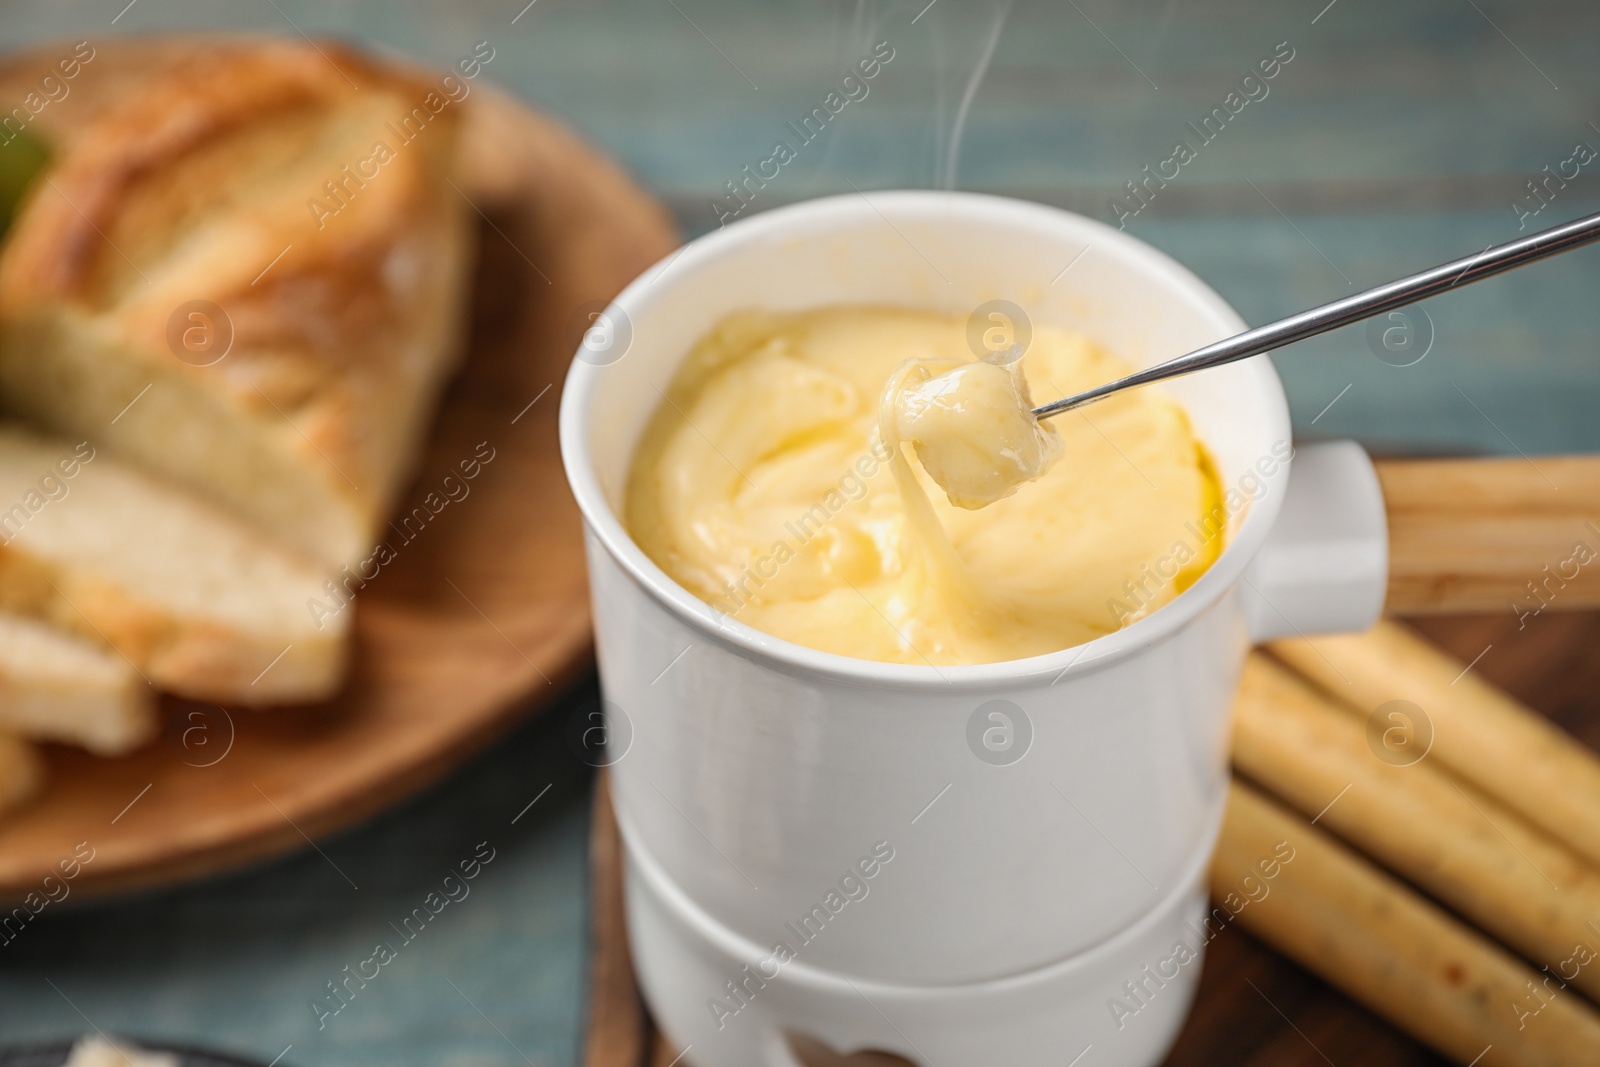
column 987, row 864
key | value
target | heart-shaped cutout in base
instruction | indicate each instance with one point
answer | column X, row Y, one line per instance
column 813, row 1053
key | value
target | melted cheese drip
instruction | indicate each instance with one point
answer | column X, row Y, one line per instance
column 773, row 484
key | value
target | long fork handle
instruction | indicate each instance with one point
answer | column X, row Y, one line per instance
column 1364, row 305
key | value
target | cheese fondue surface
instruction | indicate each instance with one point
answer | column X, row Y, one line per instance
column 788, row 479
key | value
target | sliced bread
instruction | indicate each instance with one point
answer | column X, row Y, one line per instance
column 199, row 603
column 57, row 687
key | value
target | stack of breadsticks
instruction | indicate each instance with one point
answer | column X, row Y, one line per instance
column 1446, row 841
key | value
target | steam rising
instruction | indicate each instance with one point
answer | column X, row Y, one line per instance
column 997, row 22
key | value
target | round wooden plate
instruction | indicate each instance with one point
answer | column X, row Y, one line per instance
column 481, row 618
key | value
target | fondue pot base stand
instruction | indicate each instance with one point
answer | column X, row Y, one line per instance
column 681, row 954
column 644, row 926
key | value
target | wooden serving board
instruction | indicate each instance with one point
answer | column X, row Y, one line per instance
column 480, row 619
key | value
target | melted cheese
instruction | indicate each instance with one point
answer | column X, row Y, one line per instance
column 774, row 483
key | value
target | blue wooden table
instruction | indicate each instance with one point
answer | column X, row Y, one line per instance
column 1391, row 137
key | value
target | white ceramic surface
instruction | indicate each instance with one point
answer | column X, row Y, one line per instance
column 755, row 773
column 1124, row 1000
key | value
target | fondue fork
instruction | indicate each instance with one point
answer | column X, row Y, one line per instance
column 1364, row 305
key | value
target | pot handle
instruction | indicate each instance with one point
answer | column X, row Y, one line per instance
column 1325, row 565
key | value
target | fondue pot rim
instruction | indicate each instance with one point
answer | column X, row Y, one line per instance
column 800, row 221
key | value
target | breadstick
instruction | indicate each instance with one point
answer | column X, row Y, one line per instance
column 1390, row 949
column 1469, row 852
column 21, row 772
column 1481, row 734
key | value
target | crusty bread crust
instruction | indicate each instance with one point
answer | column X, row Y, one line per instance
column 246, row 175
column 152, row 129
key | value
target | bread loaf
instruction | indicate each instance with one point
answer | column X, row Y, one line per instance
column 245, row 271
